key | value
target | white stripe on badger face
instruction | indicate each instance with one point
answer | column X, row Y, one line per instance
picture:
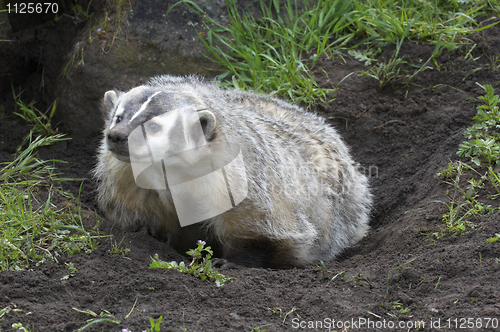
column 143, row 106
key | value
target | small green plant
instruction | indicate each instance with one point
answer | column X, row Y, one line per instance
column 155, row 325
column 278, row 311
column 455, row 220
column 183, row 326
column 484, row 135
column 40, row 122
column 73, row 271
column 5, row 311
column 437, row 283
column 366, row 56
column 323, row 267
column 20, row 327
column 325, row 271
column 104, row 316
column 78, row 52
column 494, row 238
column 200, row 266
column 494, row 62
column 396, row 306
column 108, row 28
column 117, row 249
column 259, row 328
column 360, row 280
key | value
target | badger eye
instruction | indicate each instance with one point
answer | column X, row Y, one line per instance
column 118, row 119
column 153, row 127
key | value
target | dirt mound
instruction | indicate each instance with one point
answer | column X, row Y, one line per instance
column 403, row 136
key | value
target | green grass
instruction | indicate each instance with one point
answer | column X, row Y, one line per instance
column 276, row 51
column 471, row 186
column 41, row 123
column 32, row 228
column 421, row 21
column 389, row 71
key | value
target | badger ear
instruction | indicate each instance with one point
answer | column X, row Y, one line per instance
column 208, row 122
column 110, row 98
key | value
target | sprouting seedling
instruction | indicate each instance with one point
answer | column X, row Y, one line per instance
column 155, row 325
column 200, row 266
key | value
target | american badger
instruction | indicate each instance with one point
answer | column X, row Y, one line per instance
column 304, row 198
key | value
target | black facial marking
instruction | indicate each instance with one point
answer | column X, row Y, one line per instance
column 204, row 122
column 209, row 136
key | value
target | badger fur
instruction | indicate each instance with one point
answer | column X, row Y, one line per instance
column 306, row 201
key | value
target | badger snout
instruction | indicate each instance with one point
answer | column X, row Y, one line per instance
column 117, row 138
column 118, row 145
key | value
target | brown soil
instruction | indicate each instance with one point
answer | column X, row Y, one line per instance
column 406, row 134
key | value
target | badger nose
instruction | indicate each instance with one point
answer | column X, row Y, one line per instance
column 117, row 138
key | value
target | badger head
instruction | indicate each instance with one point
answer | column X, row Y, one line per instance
column 151, row 123
column 164, row 135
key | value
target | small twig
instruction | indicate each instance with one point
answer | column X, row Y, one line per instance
column 37, row 246
column 357, row 116
column 126, row 317
column 392, row 121
column 48, row 252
